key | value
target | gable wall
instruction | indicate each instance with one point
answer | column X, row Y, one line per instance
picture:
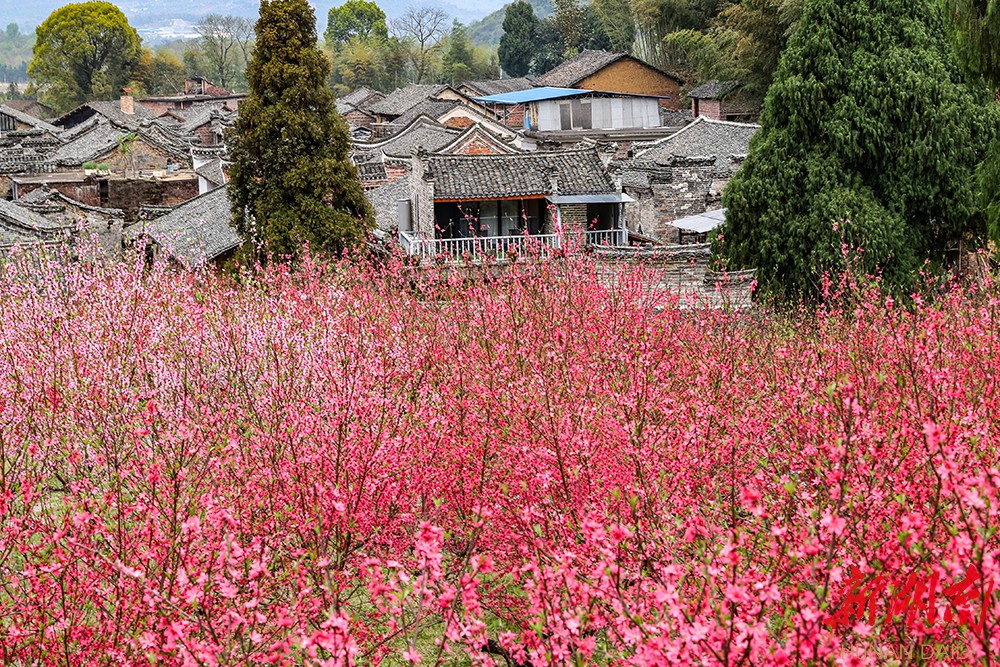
column 628, row 76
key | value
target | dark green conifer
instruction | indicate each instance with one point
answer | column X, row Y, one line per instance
column 869, row 137
column 292, row 181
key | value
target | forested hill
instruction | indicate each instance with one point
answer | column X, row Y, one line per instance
column 487, row 32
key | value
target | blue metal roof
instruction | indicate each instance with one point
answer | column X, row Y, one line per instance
column 533, row 95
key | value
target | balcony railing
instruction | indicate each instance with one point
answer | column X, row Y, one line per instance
column 504, row 247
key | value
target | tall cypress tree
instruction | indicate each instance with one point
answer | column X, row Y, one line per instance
column 976, row 30
column 517, row 45
column 869, row 137
column 291, row 180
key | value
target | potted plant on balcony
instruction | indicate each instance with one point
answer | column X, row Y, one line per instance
column 89, row 168
column 103, row 169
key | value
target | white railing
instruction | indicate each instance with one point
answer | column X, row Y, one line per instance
column 504, row 247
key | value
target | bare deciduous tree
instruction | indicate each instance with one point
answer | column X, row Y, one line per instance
column 225, row 42
column 420, row 29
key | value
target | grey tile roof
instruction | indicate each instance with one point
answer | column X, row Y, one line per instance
column 714, row 90
column 19, row 226
column 99, row 137
column 402, row 100
column 383, row 200
column 359, row 96
column 22, row 117
column 529, row 174
column 430, row 108
column 499, row 86
column 724, row 140
column 421, row 132
column 196, row 232
column 212, row 172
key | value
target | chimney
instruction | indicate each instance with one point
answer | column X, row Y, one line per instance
column 128, row 102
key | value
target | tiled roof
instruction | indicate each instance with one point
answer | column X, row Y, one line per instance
column 383, row 200
column 422, row 132
column 359, row 96
column 430, row 108
column 97, row 138
column 498, row 86
column 714, row 90
column 212, row 172
column 108, row 109
column 19, row 226
column 196, row 232
column 526, row 175
column 704, row 137
column 22, row 117
column 402, row 100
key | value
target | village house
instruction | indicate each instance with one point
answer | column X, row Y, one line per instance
column 103, row 225
column 13, row 120
column 610, row 72
column 683, row 175
column 497, row 205
column 197, row 90
column 193, row 234
column 724, row 100
column 511, row 115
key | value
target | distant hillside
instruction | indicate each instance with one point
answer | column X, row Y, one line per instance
column 489, row 30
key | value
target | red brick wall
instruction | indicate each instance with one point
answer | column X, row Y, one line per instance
column 205, row 134
column 711, row 109
column 476, row 146
column 85, row 192
column 359, row 119
column 461, row 122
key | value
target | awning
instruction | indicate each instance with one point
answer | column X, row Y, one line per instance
column 609, row 198
column 701, row 223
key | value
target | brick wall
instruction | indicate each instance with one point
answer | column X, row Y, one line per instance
column 129, row 195
column 359, row 118
column 84, row 191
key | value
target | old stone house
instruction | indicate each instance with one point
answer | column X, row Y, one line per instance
column 683, row 174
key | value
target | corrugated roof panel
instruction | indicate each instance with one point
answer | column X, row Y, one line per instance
column 533, row 95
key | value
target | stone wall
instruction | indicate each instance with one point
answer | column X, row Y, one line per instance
column 686, row 187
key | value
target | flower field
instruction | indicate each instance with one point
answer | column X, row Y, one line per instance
column 339, row 467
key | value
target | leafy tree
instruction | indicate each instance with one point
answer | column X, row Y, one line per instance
column 360, row 62
column 743, row 42
column 869, row 137
column 517, row 46
column 355, row 19
column 549, row 51
column 975, row 27
column 570, row 20
column 292, row 181
column 13, row 31
column 158, row 74
column 656, row 19
column 459, row 60
column 612, row 20
column 419, row 31
column 225, row 48
column 84, row 51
